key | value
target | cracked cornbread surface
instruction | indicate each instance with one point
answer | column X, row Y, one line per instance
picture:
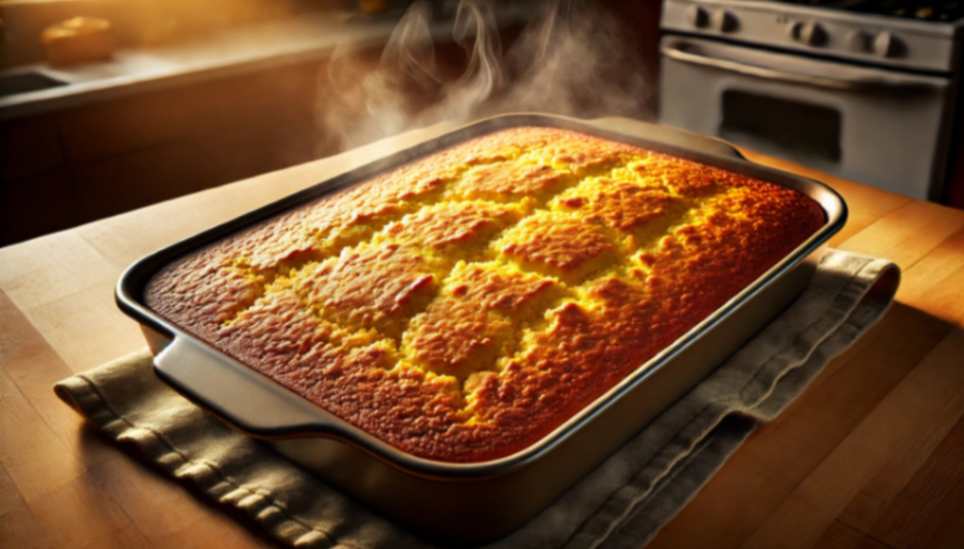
column 464, row 305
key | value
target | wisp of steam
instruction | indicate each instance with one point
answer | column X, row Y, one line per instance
column 571, row 59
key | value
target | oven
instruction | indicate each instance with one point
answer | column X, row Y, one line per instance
column 865, row 96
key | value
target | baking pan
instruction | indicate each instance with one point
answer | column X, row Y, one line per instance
column 473, row 502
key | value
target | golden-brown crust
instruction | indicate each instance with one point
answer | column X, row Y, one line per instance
column 376, row 287
column 475, row 320
column 561, row 245
column 456, row 337
column 464, row 305
column 624, row 206
column 451, row 229
column 495, row 286
column 509, row 180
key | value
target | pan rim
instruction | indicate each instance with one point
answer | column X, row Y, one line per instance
column 129, row 298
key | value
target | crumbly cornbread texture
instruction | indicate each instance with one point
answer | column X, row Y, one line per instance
column 464, row 305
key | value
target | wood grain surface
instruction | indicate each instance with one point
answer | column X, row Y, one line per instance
column 871, row 456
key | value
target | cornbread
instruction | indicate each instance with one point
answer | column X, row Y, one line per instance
column 462, row 306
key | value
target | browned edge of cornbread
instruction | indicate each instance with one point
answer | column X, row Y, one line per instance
column 463, row 305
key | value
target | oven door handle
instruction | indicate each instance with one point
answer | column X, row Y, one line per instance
column 892, row 83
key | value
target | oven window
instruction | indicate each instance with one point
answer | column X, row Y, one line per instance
column 770, row 123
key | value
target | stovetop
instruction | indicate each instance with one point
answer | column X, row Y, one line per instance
column 921, row 10
column 920, row 35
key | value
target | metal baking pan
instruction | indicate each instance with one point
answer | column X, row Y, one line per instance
column 473, row 502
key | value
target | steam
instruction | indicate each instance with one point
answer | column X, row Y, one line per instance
column 571, row 59
column 475, row 30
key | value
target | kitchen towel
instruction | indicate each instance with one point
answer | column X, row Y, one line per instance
column 622, row 503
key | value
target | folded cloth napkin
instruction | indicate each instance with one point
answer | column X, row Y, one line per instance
column 623, row 502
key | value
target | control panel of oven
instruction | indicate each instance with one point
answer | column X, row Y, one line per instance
column 877, row 39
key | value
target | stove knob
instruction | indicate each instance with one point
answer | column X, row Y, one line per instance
column 887, row 45
column 793, row 29
column 698, row 16
column 859, row 41
column 725, row 21
column 812, row 34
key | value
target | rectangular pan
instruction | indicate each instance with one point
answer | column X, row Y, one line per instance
column 473, row 502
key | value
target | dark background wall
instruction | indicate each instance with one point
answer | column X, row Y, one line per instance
column 71, row 166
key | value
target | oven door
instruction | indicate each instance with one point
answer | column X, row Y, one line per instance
column 884, row 127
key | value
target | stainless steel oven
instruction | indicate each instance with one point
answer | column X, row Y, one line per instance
column 867, row 96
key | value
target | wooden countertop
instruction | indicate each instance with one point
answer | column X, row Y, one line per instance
column 871, row 456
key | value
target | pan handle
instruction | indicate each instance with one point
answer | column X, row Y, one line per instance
column 236, row 393
column 668, row 135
